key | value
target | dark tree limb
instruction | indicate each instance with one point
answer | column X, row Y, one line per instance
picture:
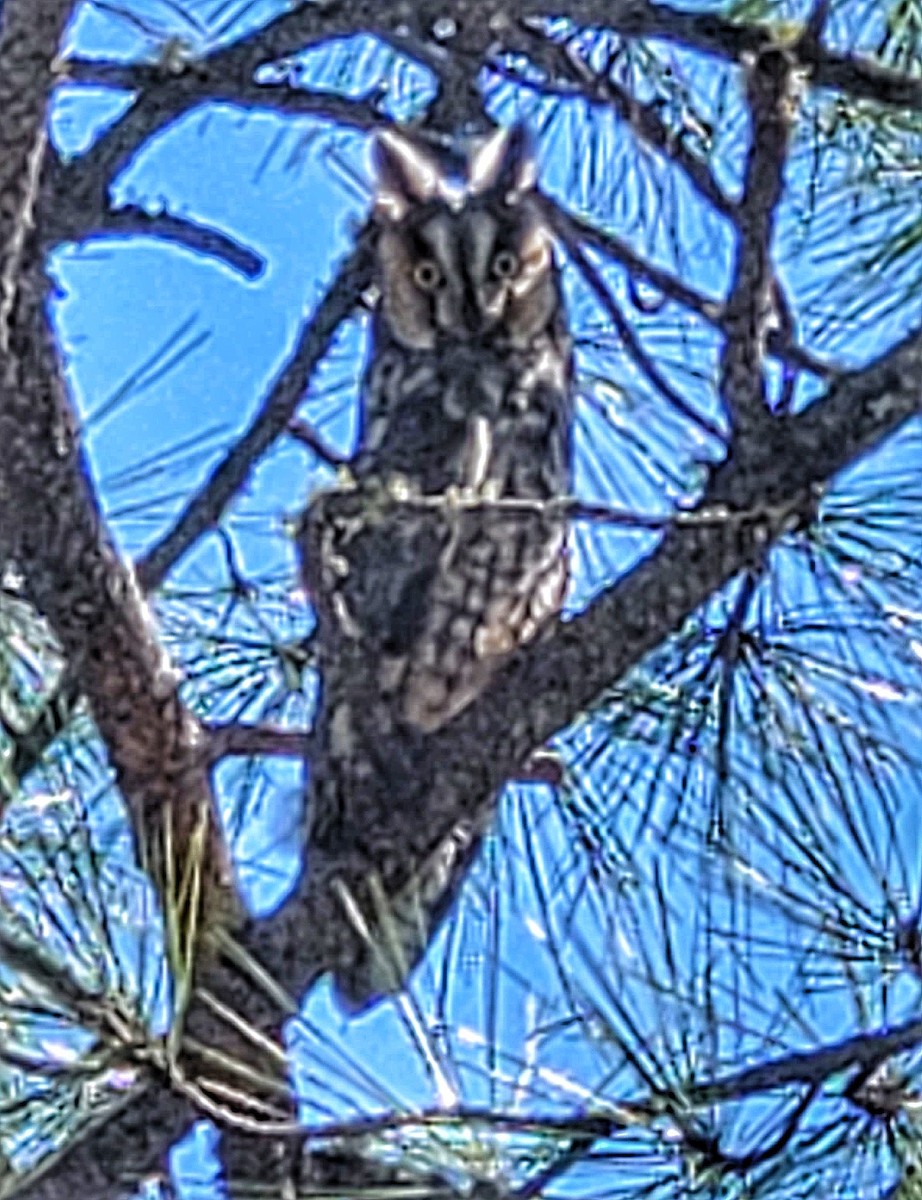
column 29, row 37
column 454, row 62
column 205, row 85
column 228, row 73
column 853, row 75
column 48, row 510
column 749, row 309
column 244, row 740
column 864, row 1051
column 561, row 62
column 205, row 509
column 72, row 573
column 780, row 340
column 132, row 220
column 75, row 579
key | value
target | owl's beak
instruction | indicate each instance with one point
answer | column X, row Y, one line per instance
column 472, row 322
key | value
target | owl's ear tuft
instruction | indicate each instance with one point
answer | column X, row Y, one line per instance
column 404, row 174
column 505, row 162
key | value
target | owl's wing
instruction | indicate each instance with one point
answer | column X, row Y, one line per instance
column 501, row 581
column 370, row 564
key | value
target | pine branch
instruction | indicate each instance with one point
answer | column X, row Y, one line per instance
column 561, row 62
column 204, row 510
column 780, row 343
column 132, row 220
column 81, row 186
column 75, row 579
column 854, row 75
column 205, row 84
column 748, row 311
column 864, row 1051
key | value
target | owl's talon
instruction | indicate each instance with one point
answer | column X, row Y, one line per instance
column 454, row 496
column 400, row 488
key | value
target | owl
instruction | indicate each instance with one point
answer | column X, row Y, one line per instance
column 446, row 548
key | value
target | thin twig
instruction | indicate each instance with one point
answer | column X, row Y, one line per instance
column 708, row 33
column 305, row 433
column 237, row 739
column 633, row 345
column 780, row 340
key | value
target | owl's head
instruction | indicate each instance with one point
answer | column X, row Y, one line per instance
column 465, row 259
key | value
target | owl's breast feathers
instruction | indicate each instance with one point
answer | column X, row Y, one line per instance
column 418, row 410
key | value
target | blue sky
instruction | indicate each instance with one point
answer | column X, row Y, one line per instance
column 169, row 354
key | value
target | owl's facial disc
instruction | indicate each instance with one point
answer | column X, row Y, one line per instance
column 462, row 264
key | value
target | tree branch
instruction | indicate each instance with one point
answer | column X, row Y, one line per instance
column 575, row 228
column 559, row 61
column 228, row 74
column 632, row 343
column 204, row 84
column 81, row 186
column 244, row 740
column 307, row 435
column 865, row 1050
column 65, row 224
column 204, row 510
column 75, row 579
column 855, row 75
column 29, row 38
column 748, row 310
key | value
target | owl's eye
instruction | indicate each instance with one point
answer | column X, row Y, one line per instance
column 505, row 265
column 426, row 275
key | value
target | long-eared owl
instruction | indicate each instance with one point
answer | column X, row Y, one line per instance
column 448, row 548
